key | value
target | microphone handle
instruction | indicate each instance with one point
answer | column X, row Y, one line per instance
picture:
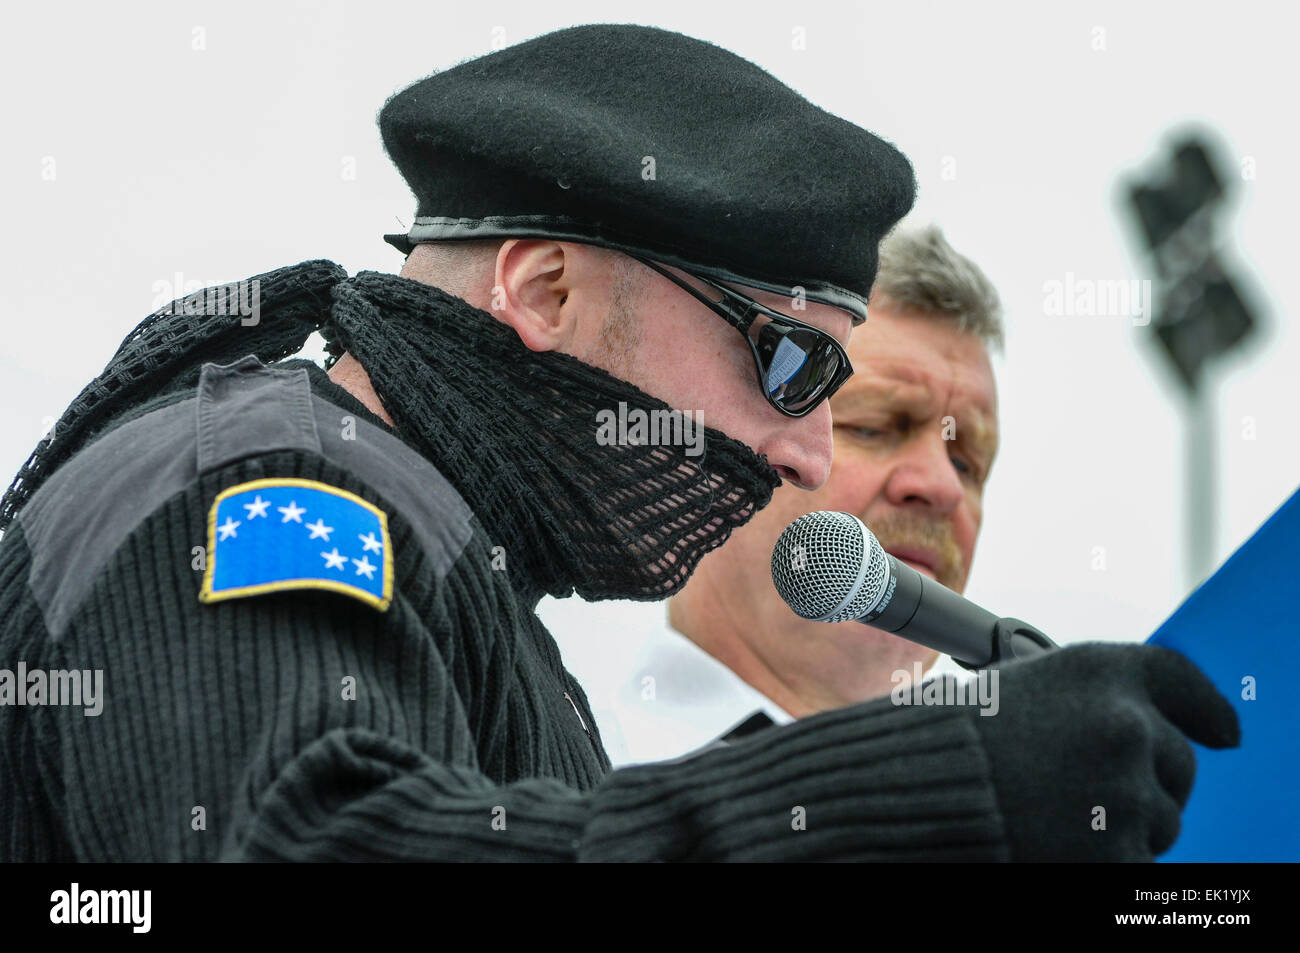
column 922, row 610
column 1013, row 639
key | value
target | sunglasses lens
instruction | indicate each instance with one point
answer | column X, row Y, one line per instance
column 799, row 365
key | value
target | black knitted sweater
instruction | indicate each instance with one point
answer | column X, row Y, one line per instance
column 224, row 733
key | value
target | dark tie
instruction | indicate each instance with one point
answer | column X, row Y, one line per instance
column 754, row 723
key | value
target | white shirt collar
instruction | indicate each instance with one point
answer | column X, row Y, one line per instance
column 655, row 694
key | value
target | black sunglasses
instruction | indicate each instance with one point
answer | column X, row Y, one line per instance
column 798, row 365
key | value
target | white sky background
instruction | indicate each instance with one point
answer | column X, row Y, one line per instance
column 225, row 162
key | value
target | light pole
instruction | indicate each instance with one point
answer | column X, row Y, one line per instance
column 1198, row 316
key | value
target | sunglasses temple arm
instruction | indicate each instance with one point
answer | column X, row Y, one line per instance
column 740, row 322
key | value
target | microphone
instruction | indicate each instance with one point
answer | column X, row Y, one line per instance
column 828, row 567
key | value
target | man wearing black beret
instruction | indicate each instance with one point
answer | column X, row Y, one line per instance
column 312, row 594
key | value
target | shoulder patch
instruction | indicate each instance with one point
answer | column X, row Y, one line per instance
column 276, row 534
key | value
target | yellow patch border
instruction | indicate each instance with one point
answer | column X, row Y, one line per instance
column 207, row 595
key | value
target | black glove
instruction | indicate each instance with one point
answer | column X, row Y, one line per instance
column 1100, row 725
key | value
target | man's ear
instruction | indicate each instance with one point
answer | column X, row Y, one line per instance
column 531, row 285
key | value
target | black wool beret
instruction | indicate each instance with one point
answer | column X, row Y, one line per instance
column 644, row 140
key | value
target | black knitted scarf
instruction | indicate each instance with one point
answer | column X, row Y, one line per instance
column 515, row 431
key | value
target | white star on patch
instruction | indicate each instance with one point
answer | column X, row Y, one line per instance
column 227, row 529
column 319, row 528
column 364, row 568
column 371, row 544
column 291, row 512
column 257, row 507
column 334, row 559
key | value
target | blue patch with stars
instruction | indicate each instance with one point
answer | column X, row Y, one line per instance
column 277, row 534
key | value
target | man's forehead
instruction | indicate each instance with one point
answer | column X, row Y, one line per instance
column 919, row 378
column 916, row 347
column 921, row 396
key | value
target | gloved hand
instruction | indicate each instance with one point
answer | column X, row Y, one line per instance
column 1100, row 725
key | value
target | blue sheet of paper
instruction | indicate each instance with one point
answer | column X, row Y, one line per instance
column 1242, row 627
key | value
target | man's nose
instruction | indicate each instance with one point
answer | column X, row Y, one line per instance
column 804, row 448
column 922, row 473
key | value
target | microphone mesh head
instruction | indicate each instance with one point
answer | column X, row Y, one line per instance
column 817, row 562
